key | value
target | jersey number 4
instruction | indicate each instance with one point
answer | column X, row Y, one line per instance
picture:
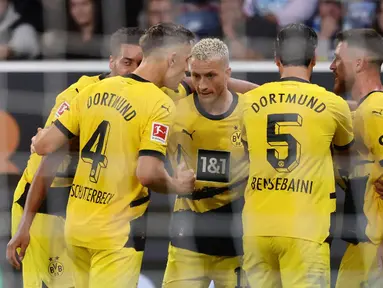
column 94, row 150
column 283, row 162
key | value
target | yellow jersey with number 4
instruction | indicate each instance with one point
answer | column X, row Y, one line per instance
column 117, row 120
column 290, row 126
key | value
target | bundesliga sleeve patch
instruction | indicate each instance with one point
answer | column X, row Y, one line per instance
column 64, row 106
column 159, row 132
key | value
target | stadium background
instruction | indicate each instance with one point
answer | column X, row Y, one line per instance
column 42, row 60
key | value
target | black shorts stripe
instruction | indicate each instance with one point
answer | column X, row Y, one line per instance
column 63, row 129
column 345, row 147
column 55, row 202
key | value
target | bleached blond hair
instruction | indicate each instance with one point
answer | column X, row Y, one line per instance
column 209, row 48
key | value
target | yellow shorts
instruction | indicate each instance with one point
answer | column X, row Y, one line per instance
column 187, row 268
column 106, row 268
column 359, row 267
column 46, row 259
column 286, row 262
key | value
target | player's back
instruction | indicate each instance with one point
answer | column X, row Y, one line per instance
column 290, row 126
column 114, row 119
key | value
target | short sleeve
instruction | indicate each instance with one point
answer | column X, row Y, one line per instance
column 69, row 122
column 155, row 134
column 344, row 136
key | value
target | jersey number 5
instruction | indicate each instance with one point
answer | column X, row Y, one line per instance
column 283, row 163
column 94, row 150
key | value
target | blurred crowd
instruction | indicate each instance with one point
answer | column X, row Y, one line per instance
column 79, row 29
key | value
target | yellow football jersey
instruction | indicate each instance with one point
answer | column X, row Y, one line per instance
column 117, row 120
column 210, row 145
column 368, row 130
column 182, row 91
column 61, row 104
column 290, row 126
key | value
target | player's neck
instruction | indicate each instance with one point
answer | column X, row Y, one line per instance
column 150, row 71
column 296, row 71
column 218, row 106
column 364, row 84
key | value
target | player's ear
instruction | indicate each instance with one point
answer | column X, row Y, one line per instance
column 314, row 61
column 172, row 59
column 277, row 61
column 111, row 62
column 228, row 72
column 360, row 64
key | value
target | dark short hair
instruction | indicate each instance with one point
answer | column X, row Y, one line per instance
column 367, row 39
column 295, row 45
column 165, row 34
column 130, row 35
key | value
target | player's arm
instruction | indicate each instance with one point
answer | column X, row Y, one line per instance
column 62, row 130
column 237, row 85
column 344, row 137
column 151, row 170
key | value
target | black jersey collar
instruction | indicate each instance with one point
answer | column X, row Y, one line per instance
column 200, row 109
column 296, row 79
column 103, row 76
column 136, row 77
column 365, row 97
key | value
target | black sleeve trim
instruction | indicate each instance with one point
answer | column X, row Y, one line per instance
column 152, row 153
column 381, row 163
column 187, row 88
column 63, row 129
column 345, row 147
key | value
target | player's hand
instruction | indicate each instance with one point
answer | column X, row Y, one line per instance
column 379, row 186
column 185, row 179
column 19, row 240
column 33, row 140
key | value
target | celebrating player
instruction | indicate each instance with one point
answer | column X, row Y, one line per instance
column 290, row 126
column 207, row 137
column 46, row 258
column 357, row 64
column 122, row 141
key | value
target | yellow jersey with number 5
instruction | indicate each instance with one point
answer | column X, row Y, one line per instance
column 117, row 120
column 290, row 126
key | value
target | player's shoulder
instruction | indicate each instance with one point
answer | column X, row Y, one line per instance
column 183, row 90
column 372, row 99
column 85, row 81
column 371, row 104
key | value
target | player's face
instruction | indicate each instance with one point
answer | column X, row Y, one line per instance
column 342, row 67
column 177, row 66
column 81, row 11
column 127, row 61
column 209, row 77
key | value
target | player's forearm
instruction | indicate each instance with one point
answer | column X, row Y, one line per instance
column 41, row 182
column 160, row 181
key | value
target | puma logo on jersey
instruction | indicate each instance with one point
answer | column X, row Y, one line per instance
column 166, row 108
column 378, row 112
column 189, row 134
